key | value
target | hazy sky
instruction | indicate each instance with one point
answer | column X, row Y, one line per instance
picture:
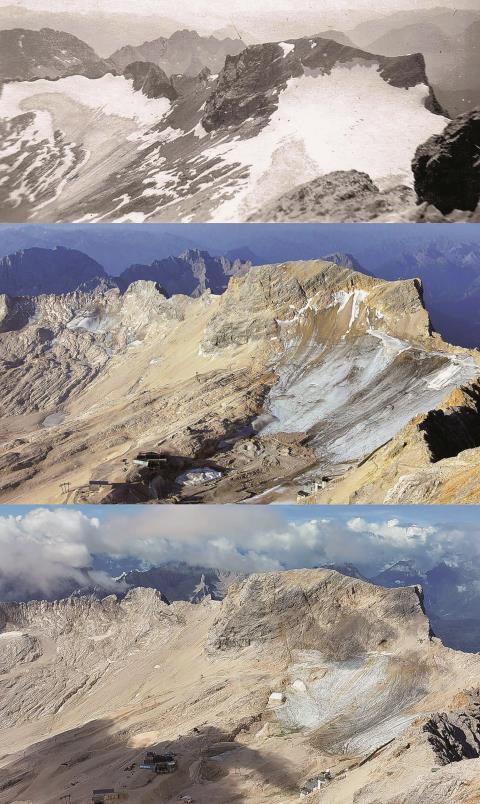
column 43, row 547
column 241, row 12
column 234, row 9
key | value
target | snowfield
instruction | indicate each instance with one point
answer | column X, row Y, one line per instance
column 367, row 125
column 111, row 95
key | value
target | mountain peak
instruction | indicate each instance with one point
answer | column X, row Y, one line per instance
column 35, row 271
column 27, row 54
column 317, row 609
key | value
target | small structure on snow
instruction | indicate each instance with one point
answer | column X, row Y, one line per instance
column 277, row 698
column 312, row 487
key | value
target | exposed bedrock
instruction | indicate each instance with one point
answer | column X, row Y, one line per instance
column 447, row 166
column 150, row 79
column 317, row 610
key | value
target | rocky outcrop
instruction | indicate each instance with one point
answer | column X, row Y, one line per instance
column 455, row 736
column 447, row 166
column 343, row 196
column 256, row 306
column 455, row 426
column 250, row 83
column 185, row 52
column 26, row 55
column 17, row 648
column 35, row 271
column 317, row 610
column 72, row 337
column 150, row 79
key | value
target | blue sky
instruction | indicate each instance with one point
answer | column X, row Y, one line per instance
column 116, row 246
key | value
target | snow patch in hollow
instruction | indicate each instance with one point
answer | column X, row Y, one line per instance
column 287, row 48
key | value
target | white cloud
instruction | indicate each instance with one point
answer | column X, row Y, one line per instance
column 44, row 551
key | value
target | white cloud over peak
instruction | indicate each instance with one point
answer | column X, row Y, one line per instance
column 46, row 550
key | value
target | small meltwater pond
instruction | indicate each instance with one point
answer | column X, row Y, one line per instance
column 53, row 420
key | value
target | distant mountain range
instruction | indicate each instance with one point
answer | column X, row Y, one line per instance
column 448, row 39
column 26, row 55
column 451, row 593
column 37, row 271
column 450, row 271
column 184, row 52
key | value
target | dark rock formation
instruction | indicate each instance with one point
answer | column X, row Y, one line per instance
column 26, row 55
column 36, row 271
column 447, row 166
column 150, row 79
column 251, row 82
column 191, row 274
column 193, row 85
column 455, row 736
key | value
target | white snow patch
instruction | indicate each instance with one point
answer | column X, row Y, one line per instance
column 53, row 420
column 358, row 297
column 287, row 48
column 444, row 377
column 370, row 126
column 195, row 477
column 92, row 322
column 351, row 696
column 111, row 95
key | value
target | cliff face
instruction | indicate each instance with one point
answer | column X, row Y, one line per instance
column 447, row 166
column 150, row 80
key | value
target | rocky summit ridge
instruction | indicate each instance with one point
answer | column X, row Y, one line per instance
column 266, row 382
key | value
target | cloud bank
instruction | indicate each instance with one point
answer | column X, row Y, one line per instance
column 47, row 552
